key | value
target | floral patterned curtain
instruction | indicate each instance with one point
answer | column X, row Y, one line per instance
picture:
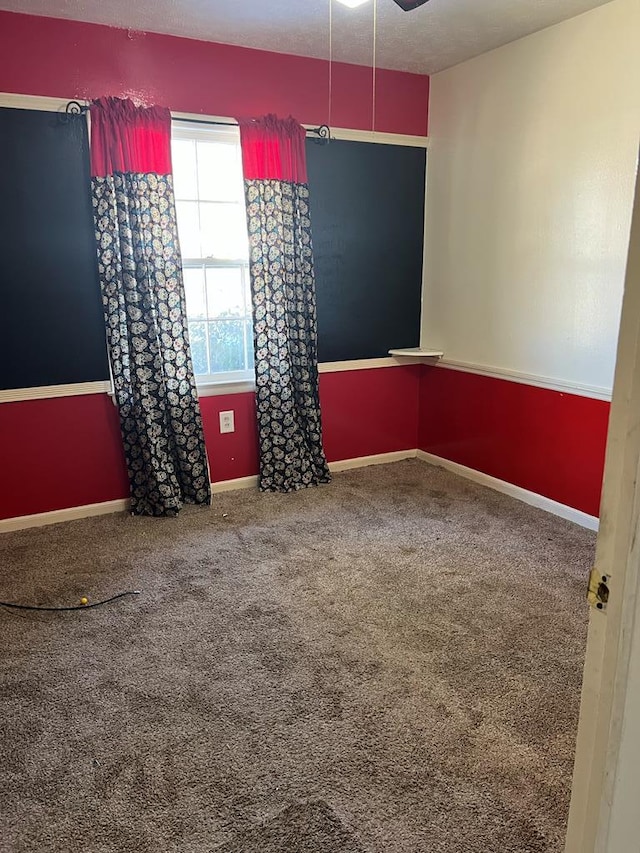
column 144, row 307
column 284, row 304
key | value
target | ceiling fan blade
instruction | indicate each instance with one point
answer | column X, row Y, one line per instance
column 408, row 5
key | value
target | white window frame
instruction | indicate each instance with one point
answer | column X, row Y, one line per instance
column 237, row 380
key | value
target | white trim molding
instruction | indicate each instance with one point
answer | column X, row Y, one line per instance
column 72, row 513
column 35, row 102
column 377, row 459
column 421, row 353
column 234, row 485
column 334, row 467
column 22, row 522
column 211, row 389
column 218, row 389
column 564, row 386
column 547, row 504
column 57, row 516
column 46, row 392
column 346, row 134
column 364, row 364
column 57, row 105
column 377, row 137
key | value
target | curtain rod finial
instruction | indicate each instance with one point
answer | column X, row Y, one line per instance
column 76, row 108
column 323, row 132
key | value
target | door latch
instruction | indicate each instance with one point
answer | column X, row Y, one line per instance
column 598, row 592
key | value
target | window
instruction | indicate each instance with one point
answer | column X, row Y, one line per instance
column 207, row 169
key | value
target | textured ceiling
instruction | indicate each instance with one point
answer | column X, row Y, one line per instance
column 436, row 36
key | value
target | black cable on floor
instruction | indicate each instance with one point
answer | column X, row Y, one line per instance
column 72, row 607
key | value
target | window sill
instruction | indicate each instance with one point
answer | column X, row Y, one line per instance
column 215, row 389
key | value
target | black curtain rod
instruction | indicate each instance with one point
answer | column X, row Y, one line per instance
column 208, row 121
column 77, row 108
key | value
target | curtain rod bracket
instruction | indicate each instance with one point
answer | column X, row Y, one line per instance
column 72, row 108
column 76, row 108
column 323, row 132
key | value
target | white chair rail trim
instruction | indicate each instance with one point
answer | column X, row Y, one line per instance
column 44, row 392
column 564, row 386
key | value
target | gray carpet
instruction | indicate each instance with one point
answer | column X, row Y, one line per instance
column 300, row 828
column 388, row 663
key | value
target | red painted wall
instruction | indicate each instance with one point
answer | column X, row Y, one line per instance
column 59, row 58
column 546, row 441
column 67, row 451
column 365, row 412
column 59, row 453
column 234, row 454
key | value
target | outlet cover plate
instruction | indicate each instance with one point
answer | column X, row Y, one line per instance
column 227, row 423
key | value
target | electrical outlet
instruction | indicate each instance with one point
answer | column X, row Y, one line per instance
column 227, row 423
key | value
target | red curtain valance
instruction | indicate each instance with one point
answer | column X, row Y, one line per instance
column 273, row 149
column 126, row 138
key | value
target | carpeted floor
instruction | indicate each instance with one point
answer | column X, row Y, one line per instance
column 388, row 663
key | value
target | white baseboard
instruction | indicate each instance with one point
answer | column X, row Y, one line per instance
column 57, row 516
column 376, row 459
column 547, row 504
column 335, row 467
column 232, row 485
column 40, row 519
column 22, row 522
column 72, row 513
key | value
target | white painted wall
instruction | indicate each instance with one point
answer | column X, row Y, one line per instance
column 530, row 189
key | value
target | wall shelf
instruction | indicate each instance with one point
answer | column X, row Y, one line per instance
column 416, row 352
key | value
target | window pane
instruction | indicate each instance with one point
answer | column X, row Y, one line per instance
column 197, row 333
column 194, row 293
column 219, row 171
column 188, row 228
column 226, row 342
column 212, row 230
column 185, row 179
column 224, row 231
column 224, row 292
